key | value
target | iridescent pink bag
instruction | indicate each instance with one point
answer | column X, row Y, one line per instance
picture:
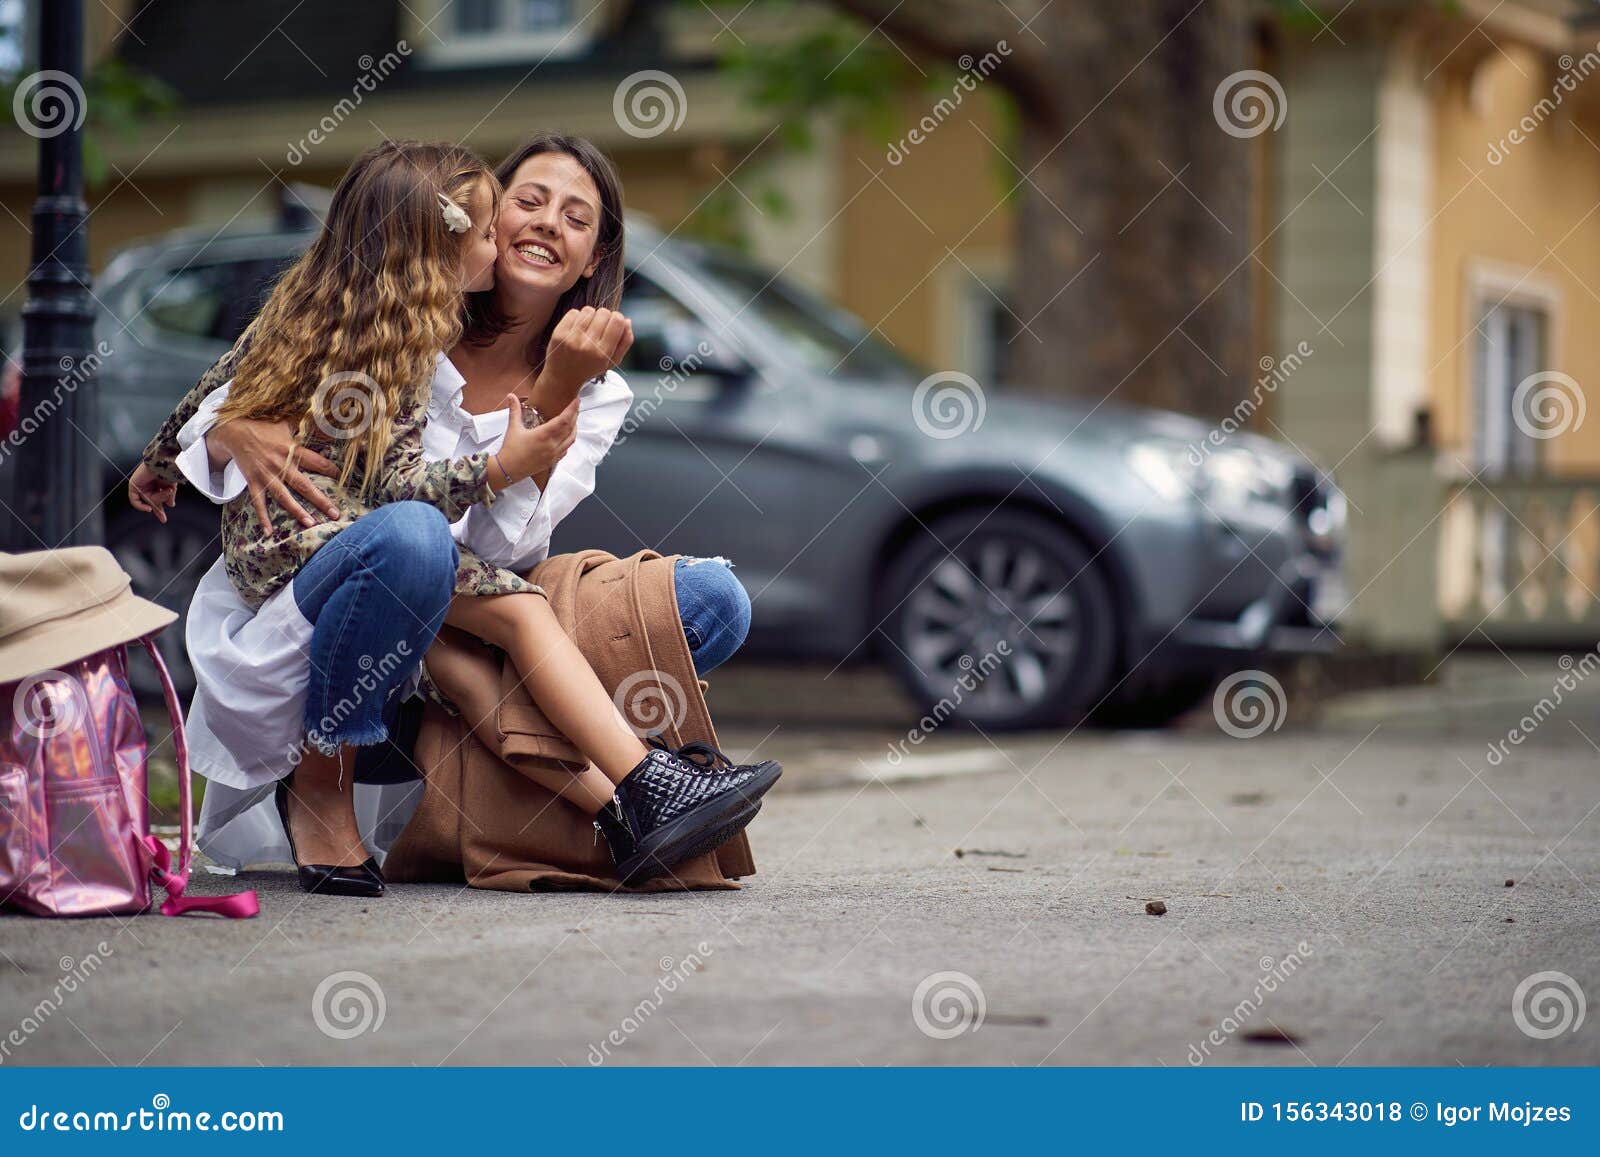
column 74, row 816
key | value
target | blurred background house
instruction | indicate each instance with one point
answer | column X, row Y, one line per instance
column 1422, row 206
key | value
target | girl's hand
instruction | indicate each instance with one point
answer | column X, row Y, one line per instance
column 272, row 463
column 586, row 343
column 150, row 494
column 533, row 453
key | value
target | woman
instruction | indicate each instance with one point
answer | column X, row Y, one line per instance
column 558, row 277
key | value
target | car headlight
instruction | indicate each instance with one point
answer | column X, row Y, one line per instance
column 1230, row 480
column 1172, row 469
column 1240, row 479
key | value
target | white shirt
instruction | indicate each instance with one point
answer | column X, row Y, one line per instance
column 252, row 670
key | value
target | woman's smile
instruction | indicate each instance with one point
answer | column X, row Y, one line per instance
column 536, row 253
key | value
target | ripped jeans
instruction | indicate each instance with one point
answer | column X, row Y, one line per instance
column 377, row 594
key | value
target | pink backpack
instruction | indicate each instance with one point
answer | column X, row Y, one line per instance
column 74, row 818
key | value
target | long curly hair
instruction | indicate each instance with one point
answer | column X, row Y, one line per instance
column 603, row 289
column 349, row 337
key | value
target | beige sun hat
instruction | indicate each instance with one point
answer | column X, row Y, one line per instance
column 60, row 605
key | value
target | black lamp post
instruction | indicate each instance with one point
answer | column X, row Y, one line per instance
column 55, row 485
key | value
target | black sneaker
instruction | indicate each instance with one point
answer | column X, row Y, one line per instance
column 673, row 807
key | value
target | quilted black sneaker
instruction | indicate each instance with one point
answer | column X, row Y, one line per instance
column 678, row 804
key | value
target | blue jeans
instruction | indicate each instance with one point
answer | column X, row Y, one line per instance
column 377, row 595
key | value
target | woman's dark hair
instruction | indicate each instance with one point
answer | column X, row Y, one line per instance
column 603, row 288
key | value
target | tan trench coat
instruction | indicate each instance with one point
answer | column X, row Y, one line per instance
column 481, row 820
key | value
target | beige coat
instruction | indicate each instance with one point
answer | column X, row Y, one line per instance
column 484, row 822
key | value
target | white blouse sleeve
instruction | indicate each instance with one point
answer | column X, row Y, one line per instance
column 196, row 464
column 515, row 532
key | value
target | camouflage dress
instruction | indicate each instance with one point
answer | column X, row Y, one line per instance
column 260, row 564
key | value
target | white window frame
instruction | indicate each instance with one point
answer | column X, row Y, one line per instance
column 447, row 48
column 1500, row 284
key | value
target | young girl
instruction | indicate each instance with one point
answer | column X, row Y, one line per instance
column 346, row 346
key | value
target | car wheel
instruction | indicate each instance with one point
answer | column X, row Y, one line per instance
column 166, row 563
column 999, row 619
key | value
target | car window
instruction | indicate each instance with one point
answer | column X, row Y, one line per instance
column 654, row 313
column 828, row 339
column 209, row 302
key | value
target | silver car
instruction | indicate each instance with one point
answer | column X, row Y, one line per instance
column 1017, row 562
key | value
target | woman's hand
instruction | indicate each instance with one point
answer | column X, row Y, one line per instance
column 272, row 463
column 150, row 494
column 533, row 453
column 586, row 343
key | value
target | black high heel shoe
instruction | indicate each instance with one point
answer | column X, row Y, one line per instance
column 363, row 880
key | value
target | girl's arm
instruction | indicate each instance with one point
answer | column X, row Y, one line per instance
column 161, row 455
column 452, row 485
column 515, row 532
column 584, row 346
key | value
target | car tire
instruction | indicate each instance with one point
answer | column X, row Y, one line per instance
column 166, row 563
column 980, row 579
column 1159, row 705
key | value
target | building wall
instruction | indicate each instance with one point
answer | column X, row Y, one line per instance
column 923, row 240
column 1527, row 225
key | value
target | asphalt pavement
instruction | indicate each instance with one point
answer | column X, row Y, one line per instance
column 1368, row 884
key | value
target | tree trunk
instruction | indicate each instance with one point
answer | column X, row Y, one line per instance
column 1133, row 240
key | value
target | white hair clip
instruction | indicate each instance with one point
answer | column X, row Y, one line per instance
column 455, row 217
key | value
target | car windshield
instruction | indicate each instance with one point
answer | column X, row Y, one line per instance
column 828, row 339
